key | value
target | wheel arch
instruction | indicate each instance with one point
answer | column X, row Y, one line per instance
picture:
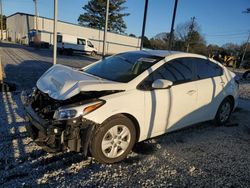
column 231, row 98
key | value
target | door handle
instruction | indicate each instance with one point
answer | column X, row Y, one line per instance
column 191, row 92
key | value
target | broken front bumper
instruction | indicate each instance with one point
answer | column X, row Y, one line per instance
column 54, row 135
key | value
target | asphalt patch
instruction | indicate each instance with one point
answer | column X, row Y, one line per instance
column 7, row 87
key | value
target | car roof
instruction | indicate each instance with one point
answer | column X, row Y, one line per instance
column 161, row 53
column 158, row 53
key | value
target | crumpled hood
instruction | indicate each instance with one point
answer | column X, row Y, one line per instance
column 62, row 82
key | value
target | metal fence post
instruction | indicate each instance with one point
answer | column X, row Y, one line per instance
column 55, row 32
column 1, row 71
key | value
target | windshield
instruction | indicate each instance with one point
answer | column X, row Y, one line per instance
column 123, row 67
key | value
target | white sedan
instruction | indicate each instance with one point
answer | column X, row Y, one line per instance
column 108, row 106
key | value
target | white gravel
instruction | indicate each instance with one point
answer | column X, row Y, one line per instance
column 200, row 156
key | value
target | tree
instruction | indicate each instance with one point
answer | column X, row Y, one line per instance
column 94, row 15
column 160, row 41
column 146, row 43
column 4, row 22
column 213, row 49
column 231, row 48
column 189, row 38
column 247, row 10
column 132, row 35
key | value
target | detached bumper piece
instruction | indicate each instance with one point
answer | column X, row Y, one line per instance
column 56, row 136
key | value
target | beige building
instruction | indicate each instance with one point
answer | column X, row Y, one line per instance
column 19, row 26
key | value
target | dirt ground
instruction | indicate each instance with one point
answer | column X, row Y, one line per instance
column 200, row 156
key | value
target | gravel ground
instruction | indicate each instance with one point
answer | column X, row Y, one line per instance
column 244, row 85
column 200, row 156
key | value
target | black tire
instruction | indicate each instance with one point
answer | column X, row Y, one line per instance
column 60, row 51
column 222, row 119
column 97, row 140
column 93, row 53
column 246, row 75
column 70, row 52
column 65, row 52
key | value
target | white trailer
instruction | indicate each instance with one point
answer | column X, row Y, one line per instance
column 68, row 44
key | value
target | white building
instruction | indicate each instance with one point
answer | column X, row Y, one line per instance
column 20, row 24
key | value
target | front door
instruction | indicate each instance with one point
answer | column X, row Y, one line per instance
column 172, row 108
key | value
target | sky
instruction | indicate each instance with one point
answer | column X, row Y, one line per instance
column 221, row 21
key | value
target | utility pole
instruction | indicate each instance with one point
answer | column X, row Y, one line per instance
column 245, row 50
column 105, row 29
column 1, row 19
column 172, row 26
column 55, row 32
column 144, row 23
column 36, row 15
column 191, row 28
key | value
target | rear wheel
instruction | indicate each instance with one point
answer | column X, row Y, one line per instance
column 224, row 112
column 113, row 140
column 246, row 75
column 60, row 51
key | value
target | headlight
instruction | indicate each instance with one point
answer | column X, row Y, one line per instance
column 64, row 114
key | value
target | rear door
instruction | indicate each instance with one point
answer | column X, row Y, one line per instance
column 172, row 108
column 210, row 86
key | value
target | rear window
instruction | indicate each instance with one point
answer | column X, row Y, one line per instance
column 207, row 69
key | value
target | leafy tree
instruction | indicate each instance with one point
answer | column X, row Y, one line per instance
column 231, row 48
column 4, row 22
column 146, row 43
column 160, row 41
column 94, row 15
column 247, row 10
column 132, row 35
column 189, row 38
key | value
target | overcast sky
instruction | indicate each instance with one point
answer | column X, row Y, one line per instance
column 221, row 21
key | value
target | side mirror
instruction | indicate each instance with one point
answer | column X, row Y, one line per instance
column 162, row 84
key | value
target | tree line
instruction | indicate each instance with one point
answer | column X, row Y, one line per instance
column 187, row 36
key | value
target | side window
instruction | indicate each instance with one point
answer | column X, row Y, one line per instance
column 178, row 71
column 81, row 41
column 207, row 69
column 90, row 44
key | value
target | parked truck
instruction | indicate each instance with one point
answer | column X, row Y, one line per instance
column 68, row 44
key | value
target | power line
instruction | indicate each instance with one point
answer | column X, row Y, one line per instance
column 218, row 37
column 221, row 35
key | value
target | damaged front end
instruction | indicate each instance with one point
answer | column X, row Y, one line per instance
column 60, row 125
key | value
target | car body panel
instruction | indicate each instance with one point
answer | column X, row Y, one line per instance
column 61, row 82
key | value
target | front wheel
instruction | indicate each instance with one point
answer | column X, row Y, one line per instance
column 93, row 53
column 114, row 140
column 224, row 112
